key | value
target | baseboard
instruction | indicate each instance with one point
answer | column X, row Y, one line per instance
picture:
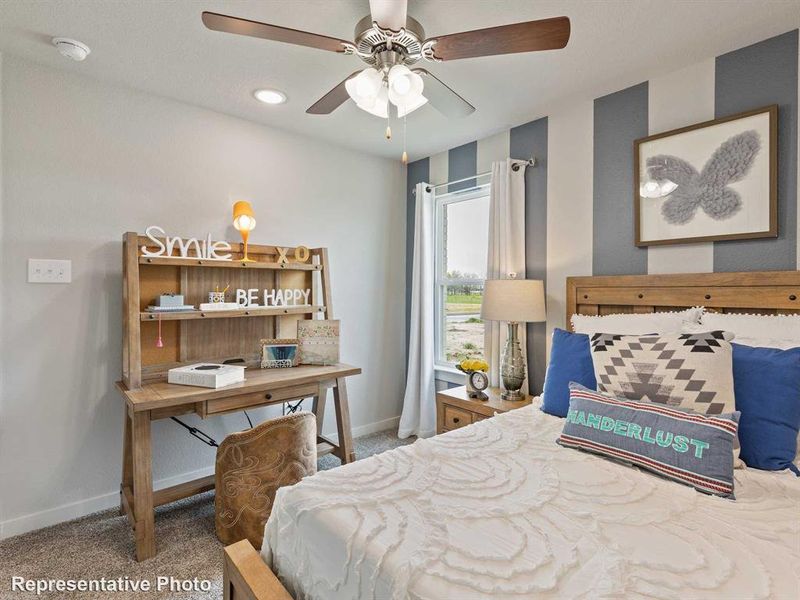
column 369, row 428
column 81, row 508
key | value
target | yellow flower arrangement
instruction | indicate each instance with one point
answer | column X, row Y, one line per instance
column 472, row 364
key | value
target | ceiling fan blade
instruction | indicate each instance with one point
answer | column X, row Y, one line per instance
column 530, row 36
column 224, row 23
column 443, row 98
column 389, row 14
column 332, row 100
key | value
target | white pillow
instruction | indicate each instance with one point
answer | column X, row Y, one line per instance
column 760, row 342
column 639, row 324
column 759, row 327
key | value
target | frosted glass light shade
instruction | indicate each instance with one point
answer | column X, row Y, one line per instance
column 405, row 89
column 519, row 300
column 407, row 109
column 365, row 86
column 378, row 106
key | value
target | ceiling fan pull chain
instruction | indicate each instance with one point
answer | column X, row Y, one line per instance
column 388, row 127
column 404, row 158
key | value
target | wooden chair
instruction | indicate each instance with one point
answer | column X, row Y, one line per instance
column 251, row 465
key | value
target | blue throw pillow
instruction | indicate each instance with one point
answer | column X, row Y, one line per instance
column 766, row 382
column 681, row 445
column 570, row 360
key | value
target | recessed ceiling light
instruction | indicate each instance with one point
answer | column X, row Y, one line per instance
column 268, row 96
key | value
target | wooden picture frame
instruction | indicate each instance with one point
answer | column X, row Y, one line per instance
column 768, row 151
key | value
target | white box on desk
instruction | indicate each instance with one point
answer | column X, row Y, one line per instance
column 210, row 375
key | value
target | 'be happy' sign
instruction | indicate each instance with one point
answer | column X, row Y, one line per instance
column 289, row 297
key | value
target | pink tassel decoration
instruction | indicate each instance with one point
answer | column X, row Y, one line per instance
column 159, row 341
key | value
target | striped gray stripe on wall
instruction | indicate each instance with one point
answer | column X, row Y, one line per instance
column 619, row 119
column 417, row 172
column 526, row 141
column 462, row 162
column 758, row 75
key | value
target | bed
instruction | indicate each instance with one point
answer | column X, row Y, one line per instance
column 498, row 510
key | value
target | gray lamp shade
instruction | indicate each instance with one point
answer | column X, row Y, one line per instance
column 520, row 300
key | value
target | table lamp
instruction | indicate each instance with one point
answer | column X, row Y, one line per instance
column 244, row 221
column 515, row 301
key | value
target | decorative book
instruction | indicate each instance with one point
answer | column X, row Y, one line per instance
column 178, row 308
column 208, row 375
column 319, row 341
column 206, row 306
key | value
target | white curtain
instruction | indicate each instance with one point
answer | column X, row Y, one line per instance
column 419, row 403
column 506, row 256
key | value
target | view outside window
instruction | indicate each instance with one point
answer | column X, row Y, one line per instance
column 463, row 228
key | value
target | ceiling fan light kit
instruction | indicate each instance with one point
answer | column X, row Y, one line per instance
column 389, row 87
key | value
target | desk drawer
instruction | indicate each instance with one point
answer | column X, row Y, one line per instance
column 456, row 417
column 252, row 400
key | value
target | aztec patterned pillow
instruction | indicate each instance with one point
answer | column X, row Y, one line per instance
column 691, row 370
column 687, row 447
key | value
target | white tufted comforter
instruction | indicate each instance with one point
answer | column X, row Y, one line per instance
column 499, row 510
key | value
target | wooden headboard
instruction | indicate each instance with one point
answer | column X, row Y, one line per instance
column 760, row 292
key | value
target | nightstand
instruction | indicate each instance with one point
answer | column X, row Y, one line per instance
column 455, row 409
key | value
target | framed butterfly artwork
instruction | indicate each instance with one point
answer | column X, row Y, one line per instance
column 712, row 181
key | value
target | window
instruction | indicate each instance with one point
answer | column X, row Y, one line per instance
column 462, row 241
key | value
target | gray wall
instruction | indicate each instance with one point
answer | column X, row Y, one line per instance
column 526, row 141
column 417, row 172
column 755, row 76
column 619, row 119
column 462, row 162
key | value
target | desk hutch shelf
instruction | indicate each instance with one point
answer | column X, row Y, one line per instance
column 196, row 336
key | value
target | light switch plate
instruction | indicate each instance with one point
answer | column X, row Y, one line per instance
column 44, row 270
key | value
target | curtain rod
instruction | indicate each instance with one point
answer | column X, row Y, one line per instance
column 531, row 162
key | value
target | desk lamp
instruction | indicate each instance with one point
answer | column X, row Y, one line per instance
column 244, row 221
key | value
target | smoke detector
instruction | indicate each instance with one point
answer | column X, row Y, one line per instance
column 71, row 48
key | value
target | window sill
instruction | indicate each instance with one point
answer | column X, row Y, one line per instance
column 450, row 375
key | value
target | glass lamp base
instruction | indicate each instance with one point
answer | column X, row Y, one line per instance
column 512, row 367
column 512, row 395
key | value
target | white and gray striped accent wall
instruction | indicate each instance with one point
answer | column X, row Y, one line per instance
column 579, row 209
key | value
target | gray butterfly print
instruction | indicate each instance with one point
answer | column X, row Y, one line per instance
column 708, row 189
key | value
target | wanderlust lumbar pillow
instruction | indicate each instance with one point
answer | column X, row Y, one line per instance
column 684, row 446
column 690, row 370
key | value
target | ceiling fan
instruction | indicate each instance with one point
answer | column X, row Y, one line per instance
column 390, row 42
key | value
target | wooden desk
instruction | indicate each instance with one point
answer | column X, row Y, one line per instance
column 262, row 387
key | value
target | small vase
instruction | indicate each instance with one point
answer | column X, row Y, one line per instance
column 470, row 389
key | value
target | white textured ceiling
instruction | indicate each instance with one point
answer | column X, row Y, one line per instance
column 161, row 47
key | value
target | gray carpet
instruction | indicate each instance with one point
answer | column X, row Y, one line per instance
column 101, row 545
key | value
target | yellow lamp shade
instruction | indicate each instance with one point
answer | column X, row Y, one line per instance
column 243, row 216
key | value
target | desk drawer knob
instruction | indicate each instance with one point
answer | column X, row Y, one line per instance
column 708, row 296
column 792, row 297
column 456, row 419
column 268, row 396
